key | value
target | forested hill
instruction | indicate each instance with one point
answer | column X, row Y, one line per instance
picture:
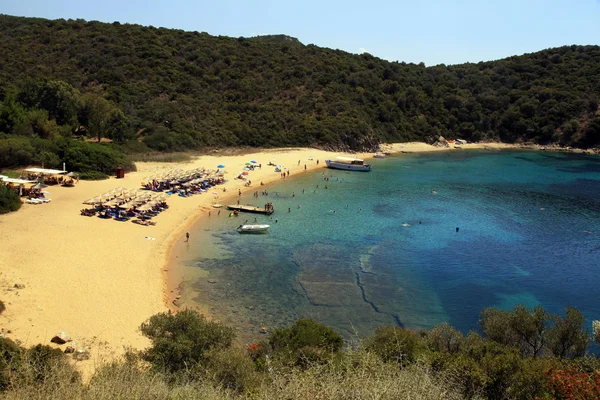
column 175, row 90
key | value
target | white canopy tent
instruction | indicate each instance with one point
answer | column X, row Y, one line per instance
column 17, row 181
column 46, row 171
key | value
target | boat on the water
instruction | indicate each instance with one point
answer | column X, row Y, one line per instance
column 348, row 164
column 253, row 228
column 379, row 155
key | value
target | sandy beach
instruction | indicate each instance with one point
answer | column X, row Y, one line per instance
column 98, row 280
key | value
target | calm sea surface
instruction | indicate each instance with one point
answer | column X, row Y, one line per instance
column 391, row 254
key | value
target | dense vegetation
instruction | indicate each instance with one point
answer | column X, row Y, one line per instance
column 169, row 90
column 523, row 354
column 9, row 199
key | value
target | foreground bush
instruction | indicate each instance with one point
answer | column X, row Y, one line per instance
column 306, row 342
column 9, row 199
column 392, row 344
column 193, row 358
column 183, row 341
column 38, row 366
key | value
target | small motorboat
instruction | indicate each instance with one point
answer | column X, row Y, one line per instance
column 379, row 155
column 253, row 228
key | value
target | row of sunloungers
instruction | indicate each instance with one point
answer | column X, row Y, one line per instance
column 38, row 200
column 138, row 217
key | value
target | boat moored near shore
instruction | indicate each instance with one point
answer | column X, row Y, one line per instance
column 258, row 228
column 348, row 164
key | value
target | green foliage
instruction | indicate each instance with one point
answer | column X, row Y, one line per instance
column 306, row 342
column 183, row 341
column 37, row 365
column 9, row 199
column 41, row 361
column 93, row 176
column 87, row 157
column 393, row 344
column 568, row 337
column 233, row 369
column 180, row 90
column 529, row 326
column 534, row 331
column 10, row 354
column 444, row 338
column 306, row 332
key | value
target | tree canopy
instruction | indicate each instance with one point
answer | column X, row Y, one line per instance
column 176, row 90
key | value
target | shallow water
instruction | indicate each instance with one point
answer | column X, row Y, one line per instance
column 391, row 253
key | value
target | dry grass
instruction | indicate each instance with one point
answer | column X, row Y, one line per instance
column 359, row 375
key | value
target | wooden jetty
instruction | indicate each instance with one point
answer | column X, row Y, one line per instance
column 251, row 209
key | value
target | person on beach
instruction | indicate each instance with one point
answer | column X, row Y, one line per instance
column 239, row 192
column 298, row 162
column 304, row 166
column 219, row 213
column 209, row 214
column 317, row 162
column 187, row 236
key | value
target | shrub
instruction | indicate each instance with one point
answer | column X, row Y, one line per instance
column 38, row 365
column 570, row 384
column 568, row 337
column 444, row 338
column 9, row 199
column 306, row 342
column 85, row 157
column 182, row 341
column 306, row 332
column 92, row 176
column 232, row 369
column 391, row 343
column 10, row 352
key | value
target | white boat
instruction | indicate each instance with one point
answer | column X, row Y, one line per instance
column 379, row 155
column 253, row 228
column 348, row 164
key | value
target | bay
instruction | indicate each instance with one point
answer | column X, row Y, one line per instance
column 422, row 239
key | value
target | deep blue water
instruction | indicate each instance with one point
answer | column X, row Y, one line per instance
column 390, row 253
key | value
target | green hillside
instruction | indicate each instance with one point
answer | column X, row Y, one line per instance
column 175, row 90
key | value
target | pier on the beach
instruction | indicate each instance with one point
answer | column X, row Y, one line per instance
column 251, row 209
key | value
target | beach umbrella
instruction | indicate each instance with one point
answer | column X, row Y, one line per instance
column 71, row 174
column 245, row 173
column 220, row 166
column 253, row 162
column 93, row 200
column 248, row 163
column 39, row 186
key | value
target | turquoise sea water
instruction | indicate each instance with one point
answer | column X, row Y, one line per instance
column 390, row 253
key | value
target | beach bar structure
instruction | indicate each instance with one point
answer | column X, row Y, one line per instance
column 251, row 209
